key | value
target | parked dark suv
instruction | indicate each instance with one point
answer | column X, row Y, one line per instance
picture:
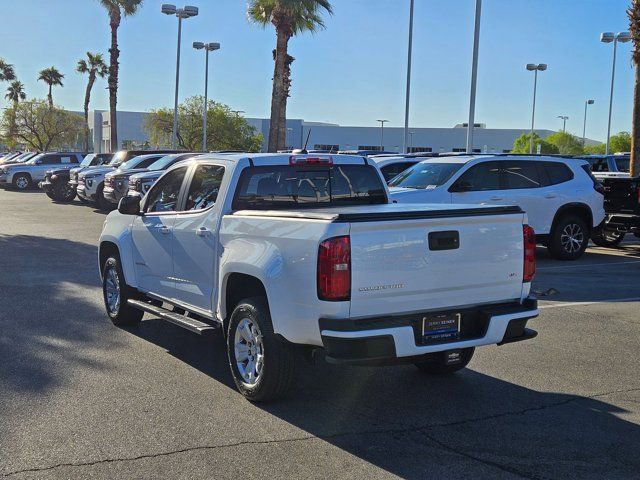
column 57, row 182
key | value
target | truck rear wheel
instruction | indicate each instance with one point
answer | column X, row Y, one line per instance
column 607, row 238
column 116, row 292
column 443, row 363
column 261, row 363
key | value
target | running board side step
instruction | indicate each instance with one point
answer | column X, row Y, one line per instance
column 183, row 321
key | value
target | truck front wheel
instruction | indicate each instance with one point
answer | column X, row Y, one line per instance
column 442, row 363
column 262, row 364
column 116, row 293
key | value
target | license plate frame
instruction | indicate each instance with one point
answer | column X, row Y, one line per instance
column 441, row 327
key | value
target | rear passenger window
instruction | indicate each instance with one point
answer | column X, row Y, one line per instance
column 51, row 160
column 204, row 188
column 521, row 174
column 484, row 176
column 556, row 173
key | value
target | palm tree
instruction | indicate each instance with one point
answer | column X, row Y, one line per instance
column 15, row 93
column 115, row 9
column 634, row 28
column 289, row 17
column 93, row 65
column 6, row 71
column 51, row 76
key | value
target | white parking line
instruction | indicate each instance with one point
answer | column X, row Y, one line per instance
column 562, row 267
column 578, row 304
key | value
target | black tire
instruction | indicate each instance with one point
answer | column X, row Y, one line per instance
column 102, row 202
column 21, row 181
column 63, row 192
column 569, row 238
column 122, row 314
column 436, row 363
column 278, row 357
column 50, row 194
column 84, row 201
column 607, row 238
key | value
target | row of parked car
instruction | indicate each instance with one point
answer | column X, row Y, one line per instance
column 568, row 199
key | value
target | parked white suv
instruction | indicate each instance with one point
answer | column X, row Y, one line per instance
column 24, row 175
column 562, row 199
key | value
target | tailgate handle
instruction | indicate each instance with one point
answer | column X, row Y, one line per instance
column 449, row 240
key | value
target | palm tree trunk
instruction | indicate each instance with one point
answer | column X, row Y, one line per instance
column 634, row 27
column 50, row 96
column 114, row 54
column 278, row 128
column 87, row 99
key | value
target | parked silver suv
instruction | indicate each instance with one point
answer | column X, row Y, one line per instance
column 23, row 175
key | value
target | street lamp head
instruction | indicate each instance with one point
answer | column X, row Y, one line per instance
column 191, row 11
column 531, row 66
column 590, row 102
column 607, row 37
column 169, row 9
column 212, row 46
column 198, row 45
column 623, row 37
column 542, row 67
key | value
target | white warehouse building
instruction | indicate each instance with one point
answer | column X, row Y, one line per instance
column 329, row 136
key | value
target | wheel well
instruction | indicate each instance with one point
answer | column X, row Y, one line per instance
column 241, row 286
column 578, row 209
column 106, row 250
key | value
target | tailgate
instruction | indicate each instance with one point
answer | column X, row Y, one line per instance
column 622, row 195
column 412, row 265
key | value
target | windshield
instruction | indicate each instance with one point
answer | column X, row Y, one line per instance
column 425, row 175
column 87, row 160
column 162, row 162
column 116, row 161
column 623, row 164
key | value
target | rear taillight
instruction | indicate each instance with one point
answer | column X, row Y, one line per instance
column 334, row 269
column 529, row 253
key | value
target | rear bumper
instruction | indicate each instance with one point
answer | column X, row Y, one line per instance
column 397, row 339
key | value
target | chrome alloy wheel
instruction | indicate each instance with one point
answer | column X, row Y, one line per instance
column 22, row 182
column 249, row 351
column 572, row 238
column 112, row 290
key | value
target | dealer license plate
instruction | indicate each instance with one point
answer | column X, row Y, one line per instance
column 441, row 327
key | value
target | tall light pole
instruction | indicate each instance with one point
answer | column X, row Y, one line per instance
column 564, row 119
column 382, row 122
column 208, row 47
column 584, row 125
column 410, row 142
column 474, row 78
column 532, row 67
column 610, row 37
column 406, row 108
column 186, row 12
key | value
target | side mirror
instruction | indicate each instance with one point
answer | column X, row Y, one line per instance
column 463, row 187
column 129, row 205
column 38, row 162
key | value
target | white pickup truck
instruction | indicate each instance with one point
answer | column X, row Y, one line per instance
column 294, row 255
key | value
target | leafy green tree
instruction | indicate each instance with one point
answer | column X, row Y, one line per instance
column 95, row 67
column 521, row 144
column 51, row 76
column 620, row 142
column 42, row 127
column 226, row 130
column 289, row 17
column 116, row 9
column 567, row 144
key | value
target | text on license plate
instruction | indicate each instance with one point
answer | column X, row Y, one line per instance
column 441, row 327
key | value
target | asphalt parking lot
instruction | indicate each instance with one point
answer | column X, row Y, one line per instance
column 80, row 398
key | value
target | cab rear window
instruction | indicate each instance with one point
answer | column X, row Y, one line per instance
column 282, row 186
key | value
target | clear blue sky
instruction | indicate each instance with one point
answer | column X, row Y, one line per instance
column 353, row 72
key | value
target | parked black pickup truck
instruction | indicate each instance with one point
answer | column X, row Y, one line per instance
column 56, row 182
column 622, row 205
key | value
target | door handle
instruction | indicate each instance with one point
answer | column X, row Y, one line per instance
column 165, row 230
column 202, row 231
column 550, row 195
column 496, row 198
